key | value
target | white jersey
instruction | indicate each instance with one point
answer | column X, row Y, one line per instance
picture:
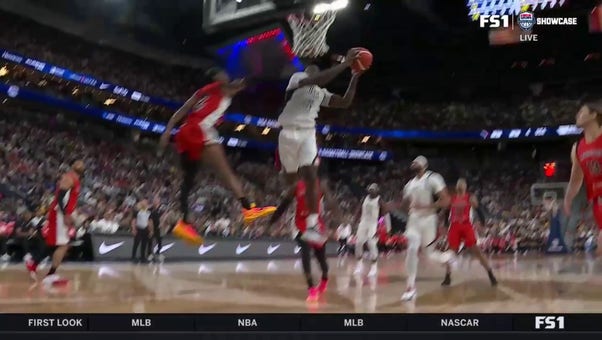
column 302, row 106
column 421, row 192
column 370, row 211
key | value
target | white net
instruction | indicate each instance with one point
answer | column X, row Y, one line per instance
column 309, row 35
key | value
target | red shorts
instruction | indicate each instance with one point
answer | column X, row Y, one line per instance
column 461, row 232
column 597, row 206
column 190, row 140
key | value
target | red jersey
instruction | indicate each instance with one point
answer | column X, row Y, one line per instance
column 302, row 212
column 460, row 209
column 211, row 103
column 590, row 160
column 70, row 200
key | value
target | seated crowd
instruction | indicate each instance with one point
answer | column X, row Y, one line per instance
column 120, row 171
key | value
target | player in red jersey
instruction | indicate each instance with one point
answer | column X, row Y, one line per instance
column 198, row 139
column 60, row 220
column 586, row 157
column 461, row 229
column 301, row 212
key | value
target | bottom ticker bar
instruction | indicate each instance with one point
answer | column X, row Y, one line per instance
column 464, row 323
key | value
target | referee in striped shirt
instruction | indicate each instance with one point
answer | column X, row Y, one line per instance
column 142, row 229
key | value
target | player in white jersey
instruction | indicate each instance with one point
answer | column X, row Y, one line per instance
column 425, row 193
column 371, row 211
column 297, row 146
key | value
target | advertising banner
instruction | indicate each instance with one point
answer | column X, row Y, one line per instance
column 119, row 247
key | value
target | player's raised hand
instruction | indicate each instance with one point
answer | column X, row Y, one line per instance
column 239, row 84
column 352, row 55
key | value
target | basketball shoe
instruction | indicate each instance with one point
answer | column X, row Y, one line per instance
column 32, row 267
column 250, row 215
column 187, row 233
column 409, row 294
column 312, row 294
column 373, row 270
column 323, row 286
column 54, row 281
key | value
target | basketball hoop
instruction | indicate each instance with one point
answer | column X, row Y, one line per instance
column 309, row 34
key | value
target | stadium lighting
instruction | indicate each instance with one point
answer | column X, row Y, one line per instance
column 333, row 6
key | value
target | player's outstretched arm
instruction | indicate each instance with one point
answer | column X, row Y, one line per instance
column 339, row 102
column 443, row 199
column 233, row 87
column 324, row 77
column 175, row 119
column 575, row 182
column 384, row 207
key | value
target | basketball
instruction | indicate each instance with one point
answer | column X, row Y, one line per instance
column 364, row 62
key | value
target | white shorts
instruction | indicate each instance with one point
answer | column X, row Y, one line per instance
column 297, row 148
column 366, row 232
column 424, row 228
column 211, row 134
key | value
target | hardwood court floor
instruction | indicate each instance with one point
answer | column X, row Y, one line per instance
column 527, row 284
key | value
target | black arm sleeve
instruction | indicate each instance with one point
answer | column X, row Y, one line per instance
column 61, row 199
column 281, row 209
column 481, row 214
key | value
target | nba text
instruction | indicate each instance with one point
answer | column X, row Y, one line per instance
column 549, row 322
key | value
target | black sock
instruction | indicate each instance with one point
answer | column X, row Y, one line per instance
column 310, row 281
column 246, row 203
column 51, row 271
column 189, row 168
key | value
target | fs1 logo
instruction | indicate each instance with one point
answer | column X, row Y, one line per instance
column 549, row 322
column 494, row 21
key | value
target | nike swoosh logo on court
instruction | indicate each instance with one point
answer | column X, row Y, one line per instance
column 164, row 248
column 107, row 248
column 205, row 249
column 240, row 250
column 272, row 249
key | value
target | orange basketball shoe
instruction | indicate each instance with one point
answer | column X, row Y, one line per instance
column 186, row 233
column 250, row 215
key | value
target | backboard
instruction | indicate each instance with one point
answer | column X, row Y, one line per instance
column 228, row 14
column 218, row 14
